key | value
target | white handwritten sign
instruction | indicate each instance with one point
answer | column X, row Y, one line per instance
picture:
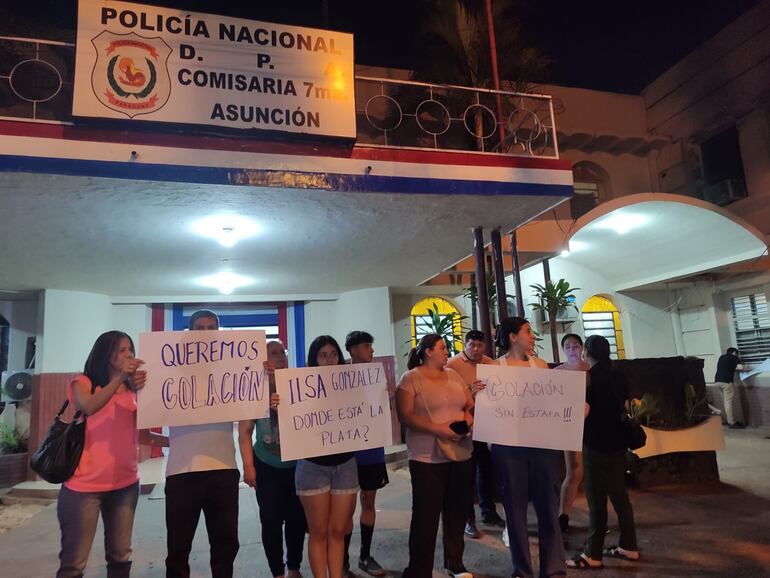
column 529, row 407
column 144, row 63
column 332, row 409
column 197, row 377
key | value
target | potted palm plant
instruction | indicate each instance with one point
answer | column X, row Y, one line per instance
column 553, row 298
column 471, row 293
column 13, row 455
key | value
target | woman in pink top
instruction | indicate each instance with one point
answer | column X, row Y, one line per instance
column 430, row 399
column 572, row 345
column 106, row 479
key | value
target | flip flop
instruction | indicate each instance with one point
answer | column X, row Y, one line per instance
column 580, row 562
column 616, row 552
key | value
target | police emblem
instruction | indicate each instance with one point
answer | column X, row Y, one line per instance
column 131, row 73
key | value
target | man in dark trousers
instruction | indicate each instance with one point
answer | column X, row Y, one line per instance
column 465, row 364
column 202, row 476
column 728, row 363
column 372, row 473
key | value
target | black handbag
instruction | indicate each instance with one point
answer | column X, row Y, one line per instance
column 633, row 433
column 59, row 453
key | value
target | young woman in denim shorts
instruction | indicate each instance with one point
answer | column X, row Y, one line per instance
column 327, row 486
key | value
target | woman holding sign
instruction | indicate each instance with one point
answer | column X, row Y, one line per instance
column 326, row 485
column 107, row 477
column 435, row 405
column 528, row 473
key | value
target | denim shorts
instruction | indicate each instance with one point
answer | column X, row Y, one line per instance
column 312, row 479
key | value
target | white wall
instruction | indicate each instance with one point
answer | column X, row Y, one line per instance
column 72, row 321
column 364, row 310
column 707, row 320
column 646, row 324
column 22, row 317
column 132, row 319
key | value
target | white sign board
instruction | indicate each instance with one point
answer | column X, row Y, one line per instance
column 197, row 377
column 143, row 63
column 332, row 409
column 761, row 368
column 530, row 407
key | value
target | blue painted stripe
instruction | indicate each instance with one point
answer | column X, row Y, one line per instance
column 299, row 332
column 273, row 178
column 248, row 320
column 178, row 316
column 181, row 321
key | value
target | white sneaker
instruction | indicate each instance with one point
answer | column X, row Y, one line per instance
column 462, row 574
column 505, row 538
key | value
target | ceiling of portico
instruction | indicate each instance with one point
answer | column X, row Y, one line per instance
column 133, row 239
column 640, row 241
column 671, row 237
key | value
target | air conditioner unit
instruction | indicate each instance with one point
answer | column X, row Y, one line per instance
column 567, row 315
column 536, row 317
column 724, row 192
column 16, row 385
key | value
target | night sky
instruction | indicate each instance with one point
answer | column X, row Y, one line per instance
column 601, row 44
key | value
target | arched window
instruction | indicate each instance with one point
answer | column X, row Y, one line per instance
column 601, row 317
column 422, row 322
column 592, row 186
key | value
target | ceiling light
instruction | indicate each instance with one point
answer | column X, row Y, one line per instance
column 226, row 229
column 577, row 246
column 225, row 282
column 622, row 223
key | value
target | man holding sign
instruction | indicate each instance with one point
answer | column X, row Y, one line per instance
column 202, row 475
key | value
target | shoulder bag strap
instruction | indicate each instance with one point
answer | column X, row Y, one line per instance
column 78, row 414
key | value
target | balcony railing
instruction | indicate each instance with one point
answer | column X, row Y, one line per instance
column 36, row 85
column 408, row 114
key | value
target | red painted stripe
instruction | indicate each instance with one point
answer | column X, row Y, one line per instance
column 283, row 333
column 158, row 324
column 442, row 157
column 158, row 317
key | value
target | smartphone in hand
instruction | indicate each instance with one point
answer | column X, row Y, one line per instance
column 460, row 427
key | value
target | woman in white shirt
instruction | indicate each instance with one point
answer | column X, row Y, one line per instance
column 528, row 473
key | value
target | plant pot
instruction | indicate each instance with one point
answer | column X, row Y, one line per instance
column 13, row 469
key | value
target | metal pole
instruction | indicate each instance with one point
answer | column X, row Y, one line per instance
column 551, row 322
column 497, row 261
column 495, row 73
column 517, row 275
column 481, row 287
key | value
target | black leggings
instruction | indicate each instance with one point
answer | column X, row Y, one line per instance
column 280, row 512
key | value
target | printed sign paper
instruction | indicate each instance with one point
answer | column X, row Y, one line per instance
column 145, row 63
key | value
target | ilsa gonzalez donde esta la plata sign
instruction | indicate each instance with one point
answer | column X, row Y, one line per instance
column 145, row 63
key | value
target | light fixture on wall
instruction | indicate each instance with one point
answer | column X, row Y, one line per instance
column 227, row 230
column 622, row 222
column 572, row 246
column 225, row 282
